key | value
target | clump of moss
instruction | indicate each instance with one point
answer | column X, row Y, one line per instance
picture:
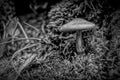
column 94, row 11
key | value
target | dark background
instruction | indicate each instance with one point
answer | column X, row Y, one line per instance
column 22, row 6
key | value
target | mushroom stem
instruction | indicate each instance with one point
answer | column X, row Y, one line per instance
column 79, row 42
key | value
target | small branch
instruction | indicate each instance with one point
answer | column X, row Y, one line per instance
column 93, row 6
column 20, row 39
column 31, row 26
column 33, row 9
column 23, row 31
column 32, row 38
column 43, row 27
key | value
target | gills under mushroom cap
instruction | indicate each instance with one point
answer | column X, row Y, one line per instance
column 77, row 24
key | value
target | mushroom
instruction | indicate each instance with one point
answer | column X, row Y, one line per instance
column 78, row 25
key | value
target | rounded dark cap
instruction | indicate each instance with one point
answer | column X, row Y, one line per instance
column 77, row 24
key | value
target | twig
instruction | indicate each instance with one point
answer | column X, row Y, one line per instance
column 32, row 38
column 31, row 26
column 100, row 4
column 42, row 27
column 34, row 11
column 23, row 31
column 92, row 6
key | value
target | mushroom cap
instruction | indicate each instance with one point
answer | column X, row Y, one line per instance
column 77, row 24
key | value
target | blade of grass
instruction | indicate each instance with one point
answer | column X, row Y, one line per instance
column 27, row 62
column 23, row 31
column 4, row 26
